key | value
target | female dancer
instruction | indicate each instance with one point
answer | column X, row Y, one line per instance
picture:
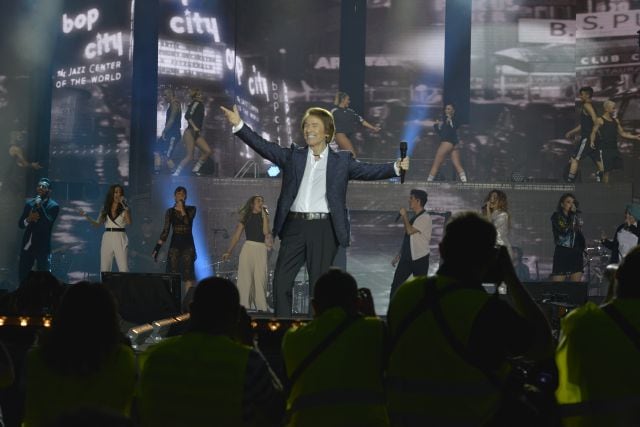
column 448, row 133
column 192, row 135
column 496, row 209
column 345, row 120
column 252, row 265
column 115, row 216
column 182, row 250
column 567, row 224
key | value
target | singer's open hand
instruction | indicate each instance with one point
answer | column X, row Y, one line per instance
column 232, row 115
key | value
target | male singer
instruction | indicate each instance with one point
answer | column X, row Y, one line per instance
column 37, row 219
column 413, row 257
column 311, row 217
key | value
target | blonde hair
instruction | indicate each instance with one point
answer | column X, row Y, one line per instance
column 607, row 103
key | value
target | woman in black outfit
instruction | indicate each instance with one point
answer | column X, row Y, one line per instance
column 182, row 250
column 448, row 133
column 567, row 234
column 192, row 135
column 345, row 120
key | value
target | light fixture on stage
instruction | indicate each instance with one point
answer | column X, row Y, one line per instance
column 138, row 335
column 273, row 171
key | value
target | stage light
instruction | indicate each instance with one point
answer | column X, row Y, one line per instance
column 24, row 321
column 139, row 334
column 273, row 171
column 46, row 322
column 3, row 319
column 273, row 326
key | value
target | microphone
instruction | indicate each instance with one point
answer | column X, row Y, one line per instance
column 398, row 217
column 124, row 203
column 37, row 200
column 265, row 210
column 403, row 154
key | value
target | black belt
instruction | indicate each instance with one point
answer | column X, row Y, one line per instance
column 308, row 215
column 115, row 229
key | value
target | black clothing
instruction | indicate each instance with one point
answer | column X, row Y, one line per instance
column 36, row 241
column 345, row 120
column 613, row 245
column 611, row 159
column 253, row 227
column 570, row 242
column 175, row 126
column 567, row 261
column 586, row 124
column 447, row 130
column 195, row 112
column 182, row 250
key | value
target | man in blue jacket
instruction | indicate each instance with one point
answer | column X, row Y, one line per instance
column 37, row 220
column 311, row 218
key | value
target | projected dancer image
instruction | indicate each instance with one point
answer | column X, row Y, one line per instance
column 182, row 249
column 447, row 130
column 346, row 120
column 115, row 215
column 192, row 136
column 311, row 216
column 586, row 147
column 496, row 209
column 608, row 127
column 170, row 134
column 252, row 265
column 566, row 224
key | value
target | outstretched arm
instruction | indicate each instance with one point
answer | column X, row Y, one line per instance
column 626, row 134
column 370, row 126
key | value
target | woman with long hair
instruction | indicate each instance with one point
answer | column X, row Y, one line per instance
column 115, row 215
column 346, row 120
column 496, row 209
column 82, row 361
column 182, row 249
column 192, row 136
column 252, row 264
column 567, row 234
column 447, row 131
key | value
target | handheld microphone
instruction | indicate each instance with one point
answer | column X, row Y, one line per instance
column 403, row 154
column 265, row 210
column 124, row 202
column 37, row 200
column 398, row 217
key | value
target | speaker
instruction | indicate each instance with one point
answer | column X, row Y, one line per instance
column 145, row 297
column 569, row 293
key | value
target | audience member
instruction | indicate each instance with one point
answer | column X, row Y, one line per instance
column 450, row 340
column 39, row 294
column 82, row 361
column 597, row 356
column 334, row 363
column 206, row 377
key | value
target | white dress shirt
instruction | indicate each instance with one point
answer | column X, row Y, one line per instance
column 419, row 242
column 312, row 194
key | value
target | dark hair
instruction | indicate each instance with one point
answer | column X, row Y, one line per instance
column 85, row 331
column 181, row 188
column 45, row 181
column 336, row 288
column 421, row 195
column 215, row 306
column 468, row 238
column 564, row 197
column 587, row 89
column 325, row 116
column 340, row 96
column 108, row 200
column 247, row 208
column 628, row 275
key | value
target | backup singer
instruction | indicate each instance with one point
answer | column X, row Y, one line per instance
column 115, row 216
column 346, row 120
column 496, row 209
column 311, row 216
column 252, row 265
column 567, row 234
column 182, row 249
column 447, row 130
column 37, row 220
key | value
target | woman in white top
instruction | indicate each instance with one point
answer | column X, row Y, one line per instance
column 496, row 209
column 115, row 216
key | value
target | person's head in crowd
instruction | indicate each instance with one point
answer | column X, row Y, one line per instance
column 585, row 92
column 420, row 196
column 628, row 275
column 38, row 294
column 468, row 246
column 335, row 288
column 85, row 330
column 215, row 307
column 320, row 123
column 632, row 213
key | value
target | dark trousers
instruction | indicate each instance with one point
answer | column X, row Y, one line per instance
column 27, row 258
column 310, row 241
column 406, row 267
